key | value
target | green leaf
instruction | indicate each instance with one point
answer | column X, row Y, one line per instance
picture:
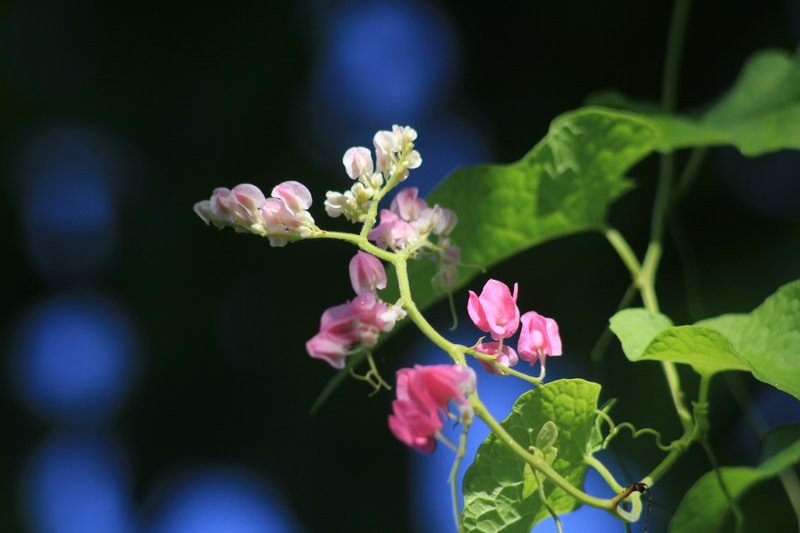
column 563, row 185
column 496, row 496
column 761, row 113
column 765, row 342
column 704, row 507
column 635, row 328
column 768, row 338
column 566, row 183
column 648, row 336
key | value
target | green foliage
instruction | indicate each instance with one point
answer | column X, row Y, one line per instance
column 704, row 507
column 649, row 336
column 765, row 342
column 761, row 113
column 563, row 185
column 768, row 338
column 499, row 494
column 566, row 183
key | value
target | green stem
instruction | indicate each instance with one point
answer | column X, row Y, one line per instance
column 672, row 60
column 401, row 268
column 506, row 370
column 690, row 171
column 391, row 183
column 462, row 450
column 604, row 472
column 624, row 251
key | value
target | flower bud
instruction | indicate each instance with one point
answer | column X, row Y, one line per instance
column 357, row 162
column 366, row 273
column 506, row 356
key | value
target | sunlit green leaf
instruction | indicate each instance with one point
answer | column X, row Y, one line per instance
column 704, row 507
column 563, row 185
column 496, row 495
column 765, row 342
column 761, row 113
column 635, row 328
column 768, row 338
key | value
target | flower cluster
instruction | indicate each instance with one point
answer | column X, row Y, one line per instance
column 423, row 395
column 281, row 218
column 409, row 222
column 352, row 326
column 394, row 156
column 495, row 311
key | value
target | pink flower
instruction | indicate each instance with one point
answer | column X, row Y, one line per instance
column 423, row 394
column 294, row 195
column 407, row 206
column 237, row 207
column 393, row 232
column 507, row 356
column 495, row 311
column 538, row 338
column 366, row 273
column 285, row 213
column 347, row 327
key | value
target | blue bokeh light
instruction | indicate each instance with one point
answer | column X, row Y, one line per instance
column 445, row 145
column 380, row 63
column 65, row 176
column 74, row 358
column 221, row 500
column 78, row 484
column 430, row 492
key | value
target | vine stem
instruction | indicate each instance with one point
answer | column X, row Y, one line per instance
column 610, row 505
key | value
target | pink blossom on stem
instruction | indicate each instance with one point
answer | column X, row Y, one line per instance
column 237, row 207
column 507, row 356
column 366, row 273
column 407, row 205
column 347, row 327
column 495, row 311
column 294, row 195
column 539, row 338
column 393, row 232
column 423, row 395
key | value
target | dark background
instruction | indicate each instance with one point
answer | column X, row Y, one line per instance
column 117, row 117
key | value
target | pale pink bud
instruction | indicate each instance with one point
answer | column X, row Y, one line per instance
column 538, row 338
column 507, row 356
column 495, row 311
column 446, row 222
column 335, row 203
column 357, row 162
column 249, row 196
column 413, row 159
column 407, row 205
column 446, row 277
column 222, row 205
column 294, row 194
column 452, row 255
column 366, row 273
column 238, row 207
column 203, row 210
column 385, row 145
